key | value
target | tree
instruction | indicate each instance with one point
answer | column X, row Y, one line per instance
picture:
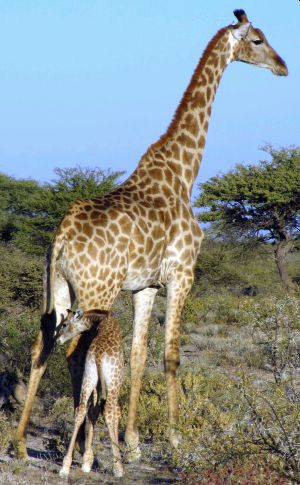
column 258, row 201
column 30, row 211
column 77, row 183
column 20, row 201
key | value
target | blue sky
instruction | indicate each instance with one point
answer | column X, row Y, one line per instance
column 93, row 82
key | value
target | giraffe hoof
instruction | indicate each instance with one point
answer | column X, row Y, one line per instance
column 64, row 472
column 118, row 471
column 133, row 454
column 86, row 467
column 175, row 438
column 20, row 450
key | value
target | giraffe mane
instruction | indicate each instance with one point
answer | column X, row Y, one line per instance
column 186, row 96
column 96, row 315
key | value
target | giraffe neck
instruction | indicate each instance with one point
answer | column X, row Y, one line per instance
column 181, row 147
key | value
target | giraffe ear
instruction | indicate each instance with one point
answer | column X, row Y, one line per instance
column 78, row 314
column 240, row 31
column 241, row 16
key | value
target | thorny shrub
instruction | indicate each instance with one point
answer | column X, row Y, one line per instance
column 276, row 329
column 230, row 423
column 227, row 423
column 62, row 414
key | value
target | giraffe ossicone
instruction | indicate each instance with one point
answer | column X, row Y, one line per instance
column 143, row 234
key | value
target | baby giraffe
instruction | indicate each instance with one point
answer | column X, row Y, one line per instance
column 103, row 364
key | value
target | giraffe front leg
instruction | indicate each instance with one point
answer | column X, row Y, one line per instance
column 93, row 414
column 89, row 384
column 142, row 304
column 177, row 293
column 76, row 369
column 79, row 418
column 40, row 352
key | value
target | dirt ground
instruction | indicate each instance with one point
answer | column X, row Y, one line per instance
column 43, row 466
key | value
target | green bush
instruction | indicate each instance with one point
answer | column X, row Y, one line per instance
column 62, row 414
column 236, row 427
column 17, row 333
column 56, row 382
column 20, row 280
column 225, row 423
column 193, row 313
column 276, row 330
column 5, row 431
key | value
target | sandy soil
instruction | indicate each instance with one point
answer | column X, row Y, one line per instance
column 43, row 466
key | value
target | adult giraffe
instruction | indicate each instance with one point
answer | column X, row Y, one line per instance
column 143, row 234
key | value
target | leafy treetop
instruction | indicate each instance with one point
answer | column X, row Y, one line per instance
column 30, row 211
column 256, row 200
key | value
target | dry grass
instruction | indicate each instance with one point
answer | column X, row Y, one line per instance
column 5, row 431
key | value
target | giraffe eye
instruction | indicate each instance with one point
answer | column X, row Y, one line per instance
column 257, row 42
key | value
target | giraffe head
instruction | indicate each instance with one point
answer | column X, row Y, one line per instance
column 251, row 46
column 76, row 323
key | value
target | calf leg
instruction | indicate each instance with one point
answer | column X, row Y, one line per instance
column 89, row 383
column 112, row 415
column 80, row 414
column 93, row 414
column 76, row 369
column 79, row 418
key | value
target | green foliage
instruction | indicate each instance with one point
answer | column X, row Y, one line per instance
column 231, row 266
column 20, row 211
column 156, row 344
column 226, row 424
column 256, row 198
column 192, row 312
column 153, row 414
column 216, row 262
column 62, row 414
column 276, row 329
column 30, row 211
column 20, row 279
column 56, row 381
column 17, row 333
column 234, row 425
column 20, row 299
column 77, row 183
column 5, row 431
column 240, row 424
column 62, row 411
column 258, row 201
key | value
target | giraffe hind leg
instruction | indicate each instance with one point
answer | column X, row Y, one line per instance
column 111, row 369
